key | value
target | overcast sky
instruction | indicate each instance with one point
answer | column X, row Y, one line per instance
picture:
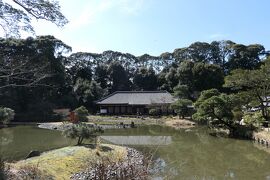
column 156, row 26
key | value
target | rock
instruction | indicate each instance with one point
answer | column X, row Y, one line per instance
column 33, row 153
column 132, row 125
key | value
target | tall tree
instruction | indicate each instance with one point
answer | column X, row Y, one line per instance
column 245, row 57
column 118, row 77
column 183, row 103
column 32, row 73
column 220, row 53
column 197, row 52
column 172, row 78
column 87, row 92
column 207, row 76
column 185, row 73
column 145, row 79
column 101, row 75
column 31, row 62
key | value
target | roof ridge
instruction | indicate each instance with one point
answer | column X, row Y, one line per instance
column 160, row 91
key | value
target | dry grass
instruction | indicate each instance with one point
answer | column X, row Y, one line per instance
column 179, row 123
column 265, row 134
column 62, row 163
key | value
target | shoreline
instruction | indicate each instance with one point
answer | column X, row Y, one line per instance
column 114, row 122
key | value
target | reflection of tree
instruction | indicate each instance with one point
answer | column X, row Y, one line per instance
column 6, row 136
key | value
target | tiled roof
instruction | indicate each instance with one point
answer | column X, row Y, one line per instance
column 138, row 98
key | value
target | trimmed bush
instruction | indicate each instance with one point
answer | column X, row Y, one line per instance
column 82, row 131
column 82, row 113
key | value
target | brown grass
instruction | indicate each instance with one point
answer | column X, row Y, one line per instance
column 180, row 123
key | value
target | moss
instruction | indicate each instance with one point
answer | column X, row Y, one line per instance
column 62, row 163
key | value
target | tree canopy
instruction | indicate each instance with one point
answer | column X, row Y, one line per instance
column 254, row 84
column 216, row 109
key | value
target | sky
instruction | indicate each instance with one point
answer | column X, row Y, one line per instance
column 157, row 26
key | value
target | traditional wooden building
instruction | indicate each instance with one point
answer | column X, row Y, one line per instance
column 135, row 102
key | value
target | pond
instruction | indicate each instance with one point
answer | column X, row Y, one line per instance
column 187, row 154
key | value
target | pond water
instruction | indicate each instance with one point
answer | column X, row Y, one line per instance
column 188, row 155
column 17, row 142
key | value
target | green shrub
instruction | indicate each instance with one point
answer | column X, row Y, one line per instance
column 253, row 118
column 6, row 115
column 82, row 114
column 154, row 112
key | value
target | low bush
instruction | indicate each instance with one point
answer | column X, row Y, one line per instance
column 155, row 112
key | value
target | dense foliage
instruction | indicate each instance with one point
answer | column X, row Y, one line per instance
column 217, row 109
column 36, row 76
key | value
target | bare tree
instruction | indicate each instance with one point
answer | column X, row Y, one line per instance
column 18, row 69
column 17, row 15
column 18, row 74
column 30, row 62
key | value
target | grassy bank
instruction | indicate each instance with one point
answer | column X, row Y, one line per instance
column 172, row 121
column 64, row 162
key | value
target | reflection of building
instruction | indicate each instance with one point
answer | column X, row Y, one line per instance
column 135, row 102
column 139, row 140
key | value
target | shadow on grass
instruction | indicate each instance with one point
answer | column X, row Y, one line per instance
column 101, row 148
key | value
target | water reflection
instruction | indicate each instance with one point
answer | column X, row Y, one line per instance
column 6, row 136
column 188, row 155
column 17, row 142
column 139, row 140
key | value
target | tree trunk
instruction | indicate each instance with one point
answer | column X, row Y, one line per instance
column 80, row 140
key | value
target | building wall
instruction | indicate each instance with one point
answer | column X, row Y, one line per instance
column 141, row 109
